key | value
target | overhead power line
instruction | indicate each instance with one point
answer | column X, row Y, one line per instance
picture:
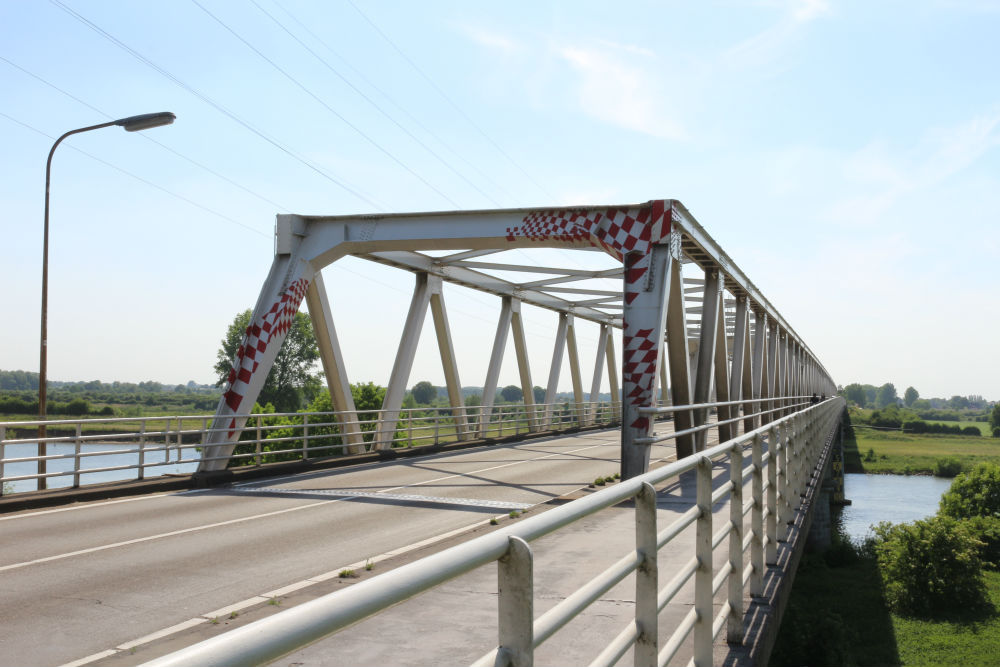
column 372, row 102
column 326, row 106
column 208, row 100
column 448, row 99
column 149, row 138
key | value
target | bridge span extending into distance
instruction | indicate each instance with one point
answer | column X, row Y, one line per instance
column 718, row 451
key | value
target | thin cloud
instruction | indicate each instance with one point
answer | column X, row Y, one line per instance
column 620, row 93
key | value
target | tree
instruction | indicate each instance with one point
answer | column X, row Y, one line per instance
column 424, row 392
column 909, row 396
column 539, row 394
column 995, row 416
column 855, row 393
column 958, row 402
column 512, row 393
column 886, row 395
column 292, row 378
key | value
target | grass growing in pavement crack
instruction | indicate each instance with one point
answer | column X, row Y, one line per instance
column 274, row 602
column 345, row 573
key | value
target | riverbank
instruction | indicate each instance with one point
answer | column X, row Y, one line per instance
column 894, row 452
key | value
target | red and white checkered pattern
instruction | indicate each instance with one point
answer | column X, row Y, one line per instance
column 618, row 231
column 259, row 335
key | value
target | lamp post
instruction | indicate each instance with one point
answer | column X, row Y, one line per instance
column 131, row 124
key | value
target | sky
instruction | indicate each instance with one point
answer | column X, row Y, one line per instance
column 844, row 154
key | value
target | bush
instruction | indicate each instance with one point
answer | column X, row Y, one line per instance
column 972, row 430
column 975, row 493
column 947, row 467
column 930, row 566
column 996, row 432
column 986, row 529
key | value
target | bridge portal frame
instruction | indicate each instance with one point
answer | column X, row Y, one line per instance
column 652, row 241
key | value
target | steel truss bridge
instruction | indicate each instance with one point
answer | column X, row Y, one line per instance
column 731, row 346
column 704, row 355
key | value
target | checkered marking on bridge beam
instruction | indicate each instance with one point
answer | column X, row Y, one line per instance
column 405, row 497
column 258, row 337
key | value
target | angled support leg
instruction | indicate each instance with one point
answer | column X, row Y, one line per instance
column 447, row 349
column 493, row 372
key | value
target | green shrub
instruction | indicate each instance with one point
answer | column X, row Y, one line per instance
column 974, row 493
column 972, row 430
column 996, row 431
column 930, row 567
column 986, row 529
column 947, row 467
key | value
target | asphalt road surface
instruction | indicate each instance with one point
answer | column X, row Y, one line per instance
column 76, row 582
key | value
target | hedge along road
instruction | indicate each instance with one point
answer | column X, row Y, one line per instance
column 77, row 581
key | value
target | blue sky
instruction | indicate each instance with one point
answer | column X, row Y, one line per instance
column 843, row 153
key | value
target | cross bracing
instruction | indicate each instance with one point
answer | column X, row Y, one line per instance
column 690, row 318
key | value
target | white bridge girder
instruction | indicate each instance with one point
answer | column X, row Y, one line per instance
column 732, row 357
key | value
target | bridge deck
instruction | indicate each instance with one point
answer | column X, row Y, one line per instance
column 109, row 573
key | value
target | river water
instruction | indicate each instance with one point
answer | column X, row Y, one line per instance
column 114, row 458
column 895, row 498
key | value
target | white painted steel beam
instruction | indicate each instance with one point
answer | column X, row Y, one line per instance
column 333, row 364
column 496, row 360
column 447, row 349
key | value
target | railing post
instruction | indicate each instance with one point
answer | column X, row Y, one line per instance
column 757, row 519
column 258, row 447
column 516, row 604
column 646, row 578
column 771, row 553
column 142, row 450
column 305, row 437
column 76, row 455
column 3, row 453
column 703, row 576
column 437, row 426
column 734, row 624
column 786, row 446
column 409, row 426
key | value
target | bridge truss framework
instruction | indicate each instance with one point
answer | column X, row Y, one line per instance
column 735, row 346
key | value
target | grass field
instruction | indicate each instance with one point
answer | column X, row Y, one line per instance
column 914, row 454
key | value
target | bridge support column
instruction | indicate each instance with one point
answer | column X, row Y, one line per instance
column 648, row 279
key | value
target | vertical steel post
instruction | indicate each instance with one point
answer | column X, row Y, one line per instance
column 725, row 412
column 711, row 300
column 516, row 604
column 703, row 576
column 3, row 455
column 646, row 577
column 740, row 349
column 574, row 368
column 757, row 518
column 404, row 362
column 333, row 365
column 523, row 367
column 305, row 437
column 734, row 624
column 758, row 375
column 677, row 350
column 556, row 367
column 773, row 445
column 76, row 457
column 613, row 375
column 595, row 384
column 493, row 371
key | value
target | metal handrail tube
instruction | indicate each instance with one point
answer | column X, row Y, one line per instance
column 652, row 440
column 618, row 647
column 551, row 621
column 721, row 534
column 720, row 620
column 665, row 409
column 272, row 637
column 683, row 575
column 722, row 491
column 675, row 529
column 721, row 577
column 672, row 645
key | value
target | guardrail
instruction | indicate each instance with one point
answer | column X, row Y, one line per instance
column 782, row 455
column 152, row 443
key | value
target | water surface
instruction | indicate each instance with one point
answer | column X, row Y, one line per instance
column 895, row 498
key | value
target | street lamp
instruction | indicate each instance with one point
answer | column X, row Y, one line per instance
column 131, row 124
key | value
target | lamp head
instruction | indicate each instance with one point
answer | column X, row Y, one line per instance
column 146, row 121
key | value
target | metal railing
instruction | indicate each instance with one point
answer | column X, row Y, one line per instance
column 782, row 456
column 152, row 443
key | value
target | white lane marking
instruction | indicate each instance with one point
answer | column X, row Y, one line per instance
column 407, row 497
column 194, row 529
column 100, row 504
column 266, row 597
column 138, row 540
